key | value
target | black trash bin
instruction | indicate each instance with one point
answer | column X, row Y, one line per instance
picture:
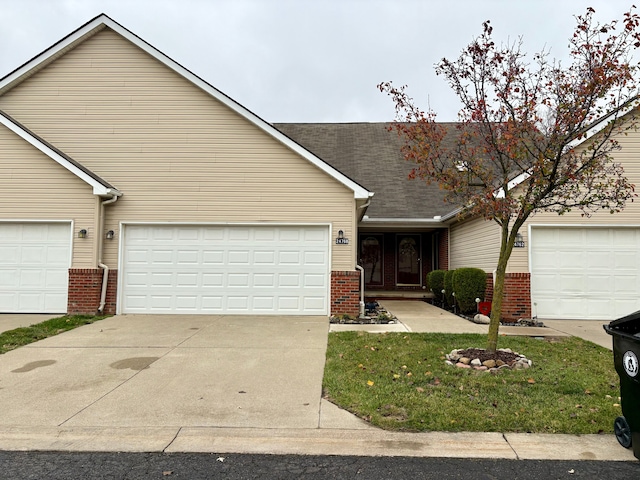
column 626, row 355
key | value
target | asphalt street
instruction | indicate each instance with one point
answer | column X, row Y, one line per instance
column 142, row 466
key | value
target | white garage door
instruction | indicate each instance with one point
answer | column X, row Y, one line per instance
column 34, row 267
column 585, row 273
column 226, row 269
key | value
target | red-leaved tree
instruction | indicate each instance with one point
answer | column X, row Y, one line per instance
column 533, row 134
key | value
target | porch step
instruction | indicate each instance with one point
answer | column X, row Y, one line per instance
column 399, row 294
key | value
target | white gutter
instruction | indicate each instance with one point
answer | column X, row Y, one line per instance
column 364, row 206
column 358, row 267
column 105, row 274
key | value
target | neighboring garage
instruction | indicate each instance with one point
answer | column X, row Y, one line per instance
column 585, row 272
column 223, row 269
column 34, row 267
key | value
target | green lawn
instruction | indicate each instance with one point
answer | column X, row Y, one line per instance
column 399, row 381
column 18, row 337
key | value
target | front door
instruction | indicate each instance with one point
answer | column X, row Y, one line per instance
column 408, row 250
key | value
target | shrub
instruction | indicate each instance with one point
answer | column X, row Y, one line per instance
column 448, row 288
column 435, row 281
column 469, row 284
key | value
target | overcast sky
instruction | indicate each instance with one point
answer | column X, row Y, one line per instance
column 307, row 60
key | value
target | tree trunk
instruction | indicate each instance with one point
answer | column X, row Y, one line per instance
column 506, row 245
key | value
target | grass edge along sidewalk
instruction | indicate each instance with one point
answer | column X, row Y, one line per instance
column 18, row 337
column 399, row 381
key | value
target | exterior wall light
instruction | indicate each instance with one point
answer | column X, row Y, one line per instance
column 110, row 234
column 342, row 240
column 82, row 233
column 519, row 243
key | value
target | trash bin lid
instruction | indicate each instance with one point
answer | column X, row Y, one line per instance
column 627, row 324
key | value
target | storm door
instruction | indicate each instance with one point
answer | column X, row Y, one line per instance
column 371, row 259
column 408, row 264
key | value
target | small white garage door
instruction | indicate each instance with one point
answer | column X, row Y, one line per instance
column 226, row 269
column 585, row 273
column 34, row 267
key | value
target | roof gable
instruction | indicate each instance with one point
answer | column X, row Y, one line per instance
column 100, row 186
column 103, row 21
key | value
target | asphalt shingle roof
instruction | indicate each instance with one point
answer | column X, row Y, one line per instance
column 370, row 155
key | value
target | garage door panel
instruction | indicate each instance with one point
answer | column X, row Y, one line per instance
column 625, row 260
column 238, row 257
column 598, row 285
column 597, row 307
column 227, row 269
column 267, row 235
column 213, row 257
column 212, row 280
column 289, row 258
column 627, row 284
column 624, row 238
column 314, row 280
column 289, row 235
column 238, row 280
column 264, row 280
column 598, row 259
column 590, row 273
column 264, row 258
column 569, row 259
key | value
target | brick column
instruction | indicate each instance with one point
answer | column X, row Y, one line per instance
column 443, row 249
column 345, row 293
column 517, row 295
column 85, row 286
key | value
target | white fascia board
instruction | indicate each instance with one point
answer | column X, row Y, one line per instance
column 98, row 188
column 512, row 184
column 414, row 221
column 99, row 22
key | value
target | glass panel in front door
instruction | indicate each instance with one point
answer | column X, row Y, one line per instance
column 408, row 260
column 371, row 258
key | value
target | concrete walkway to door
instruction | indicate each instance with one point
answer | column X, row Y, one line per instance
column 418, row 316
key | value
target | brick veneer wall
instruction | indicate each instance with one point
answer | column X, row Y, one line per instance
column 345, row 293
column 517, row 295
column 85, row 285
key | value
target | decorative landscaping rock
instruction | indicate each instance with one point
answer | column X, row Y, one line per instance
column 480, row 359
column 482, row 319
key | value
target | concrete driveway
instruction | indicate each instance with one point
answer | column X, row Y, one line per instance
column 170, row 370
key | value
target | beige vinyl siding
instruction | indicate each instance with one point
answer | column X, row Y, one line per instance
column 176, row 153
column 34, row 187
column 474, row 243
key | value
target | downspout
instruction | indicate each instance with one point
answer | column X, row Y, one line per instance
column 363, row 207
column 358, row 267
column 105, row 273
